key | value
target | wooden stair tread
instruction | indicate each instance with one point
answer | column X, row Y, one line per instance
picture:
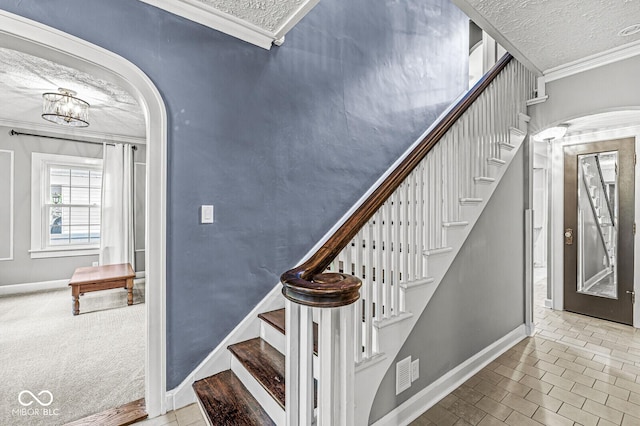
column 120, row 416
column 277, row 320
column 263, row 362
column 227, row 402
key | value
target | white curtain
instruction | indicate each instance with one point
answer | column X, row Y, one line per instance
column 117, row 221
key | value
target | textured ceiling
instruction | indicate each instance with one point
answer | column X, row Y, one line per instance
column 552, row 33
column 24, row 78
column 266, row 14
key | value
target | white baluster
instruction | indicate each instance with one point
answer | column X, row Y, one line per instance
column 420, row 222
column 380, row 314
column 413, row 205
column 405, row 232
column 388, row 255
column 395, row 258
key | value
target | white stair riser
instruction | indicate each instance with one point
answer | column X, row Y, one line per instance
column 278, row 340
column 263, row 397
column 273, row 336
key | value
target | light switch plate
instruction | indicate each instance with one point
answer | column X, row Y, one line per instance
column 206, row 214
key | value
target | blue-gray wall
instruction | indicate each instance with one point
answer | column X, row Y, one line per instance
column 480, row 299
column 282, row 142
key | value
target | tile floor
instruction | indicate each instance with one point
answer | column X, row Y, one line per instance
column 576, row 371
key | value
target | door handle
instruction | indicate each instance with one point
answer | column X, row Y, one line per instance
column 633, row 296
column 568, row 236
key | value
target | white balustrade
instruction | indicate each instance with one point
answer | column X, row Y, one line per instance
column 389, row 251
column 392, row 252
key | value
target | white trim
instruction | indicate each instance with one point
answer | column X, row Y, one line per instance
column 33, row 37
column 416, row 284
column 539, row 100
column 496, row 162
column 39, row 181
column 398, row 318
column 440, row 250
column 12, row 180
column 616, row 54
column 293, row 20
column 7, row 290
column 64, row 252
column 213, row 18
column 220, row 359
column 78, row 132
column 636, row 239
column 462, row 223
column 429, row 396
column 200, row 12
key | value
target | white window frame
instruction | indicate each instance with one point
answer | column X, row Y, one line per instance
column 40, row 163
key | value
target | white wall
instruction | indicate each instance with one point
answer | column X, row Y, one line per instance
column 20, row 268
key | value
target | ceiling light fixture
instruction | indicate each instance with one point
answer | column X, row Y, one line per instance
column 556, row 132
column 629, row 31
column 65, row 109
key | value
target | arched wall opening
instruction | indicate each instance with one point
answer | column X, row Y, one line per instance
column 28, row 36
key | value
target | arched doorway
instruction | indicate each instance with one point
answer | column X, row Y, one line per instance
column 37, row 39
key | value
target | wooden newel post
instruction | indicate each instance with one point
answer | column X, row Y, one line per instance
column 333, row 295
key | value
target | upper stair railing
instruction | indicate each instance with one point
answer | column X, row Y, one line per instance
column 385, row 244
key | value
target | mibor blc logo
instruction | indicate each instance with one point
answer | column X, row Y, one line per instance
column 35, row 405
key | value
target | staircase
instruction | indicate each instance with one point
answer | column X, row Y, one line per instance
column 352, row 304
column 257, row 364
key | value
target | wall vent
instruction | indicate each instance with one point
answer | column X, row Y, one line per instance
column 403, row 375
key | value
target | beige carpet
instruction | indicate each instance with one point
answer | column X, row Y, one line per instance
column 88, row 363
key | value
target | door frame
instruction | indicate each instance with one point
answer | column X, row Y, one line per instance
column 32, row 37
column 555, row 263
column 605, row 308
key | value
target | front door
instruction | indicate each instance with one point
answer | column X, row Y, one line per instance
column 599, row 229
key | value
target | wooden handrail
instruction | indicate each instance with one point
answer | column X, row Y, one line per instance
column 307, row 284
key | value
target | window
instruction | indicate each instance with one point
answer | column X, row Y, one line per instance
column 73, row 205
column 66, row 195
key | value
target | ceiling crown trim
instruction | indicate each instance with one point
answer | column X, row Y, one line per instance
column 616, row 54
column 206, row 14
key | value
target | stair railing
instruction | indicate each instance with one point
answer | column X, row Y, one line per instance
column 384, row 245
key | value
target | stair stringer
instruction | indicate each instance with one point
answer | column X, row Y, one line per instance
column 369, row 374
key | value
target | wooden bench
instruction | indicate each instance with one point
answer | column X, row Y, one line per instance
column 105, row 277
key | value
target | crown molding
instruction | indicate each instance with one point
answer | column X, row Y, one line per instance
column 77, row 132
column 616, row 54
column 490, row 29
column 199, row 12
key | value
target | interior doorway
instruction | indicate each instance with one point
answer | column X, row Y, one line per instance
column 40, row 40
column 599, row 229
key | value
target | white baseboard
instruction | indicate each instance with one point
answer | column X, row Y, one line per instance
column 429, row 396
column 548, row 303
column 220, row 359
column 11, row 289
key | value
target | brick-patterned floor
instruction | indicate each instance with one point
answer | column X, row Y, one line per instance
column 575, row 371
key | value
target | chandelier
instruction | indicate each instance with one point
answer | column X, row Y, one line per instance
column 64, row 108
